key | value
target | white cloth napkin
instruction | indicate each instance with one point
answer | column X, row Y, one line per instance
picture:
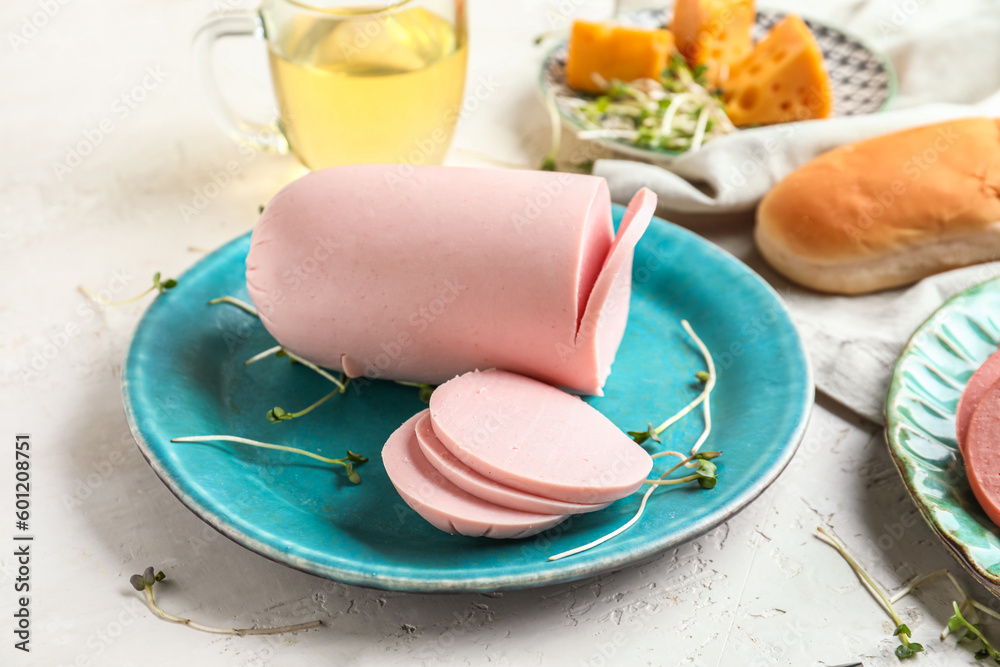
column 946, row 55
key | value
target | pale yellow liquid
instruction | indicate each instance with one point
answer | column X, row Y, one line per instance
column 369, row 89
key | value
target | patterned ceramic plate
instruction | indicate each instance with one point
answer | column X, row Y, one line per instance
column 185, row 375
column 920, row 424
column 863, row 80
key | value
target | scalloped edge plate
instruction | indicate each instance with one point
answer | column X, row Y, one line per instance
column 552, row 75
column 927, row 382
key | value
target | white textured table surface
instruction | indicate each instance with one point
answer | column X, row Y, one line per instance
column 116, row 78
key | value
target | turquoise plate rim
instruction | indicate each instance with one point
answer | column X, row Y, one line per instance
column 904, row 462
column 795, row 412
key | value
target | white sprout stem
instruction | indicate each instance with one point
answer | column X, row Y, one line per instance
column 668, row 116
column 294, row 357
column 167, row 616
column 255, row 443
column 555, row 123
column 607, row 134
column 921, row 580
column 670, row 452
column 97, row 298
column 699, row 132
column 983, row 608
column 709, row 385
column 873, row 589
column 966, row 600
column 723, row 120
column 682, row 413
column 702, row 397
column 310, row 365
column 616, row 533
column 233, row 301
column 262, row 355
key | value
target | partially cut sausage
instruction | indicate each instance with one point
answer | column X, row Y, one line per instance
column 982, row 452
column 472, row 482
column 444, row 505
column 531, row 436
column 984, row 377
column 446, row 270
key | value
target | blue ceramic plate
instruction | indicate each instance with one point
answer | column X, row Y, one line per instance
column 920, row 424
column 184, row 375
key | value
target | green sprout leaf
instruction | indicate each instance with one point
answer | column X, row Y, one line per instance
column 706, row 473
column 277, row 414
column 159, row 286
column 137, row 582
column 702, row 375
column 642, row 436
column 162, row 286
column 639, row 436
column 901, row 630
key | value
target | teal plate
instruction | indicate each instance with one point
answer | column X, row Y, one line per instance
column 920, row 424
column 185, row 375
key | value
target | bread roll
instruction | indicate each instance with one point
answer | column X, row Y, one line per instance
column 887, row 211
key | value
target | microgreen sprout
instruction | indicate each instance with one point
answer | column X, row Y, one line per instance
column 704, row 399
column 705, row 474
column 144, row 583
column 425, row 390
column 677, row 112
column 555, row 124
column 906, row 648
column 349, row 461
column 278, row 414
column 279, row 351
column 702, row 477
column 233, row 301
column 957, row 623
column 159, row 286
column 642, row 436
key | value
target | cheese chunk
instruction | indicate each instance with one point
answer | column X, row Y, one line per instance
column 615, row 52
column 714, row 33
column 784, row 79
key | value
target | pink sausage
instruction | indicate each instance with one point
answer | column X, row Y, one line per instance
column 444, row 505
column 982, row 452
column 446, row 270
column 975, row 389
column 469, row 480
column 528, row 435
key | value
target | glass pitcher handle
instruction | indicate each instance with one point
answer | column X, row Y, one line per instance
column 232, row 24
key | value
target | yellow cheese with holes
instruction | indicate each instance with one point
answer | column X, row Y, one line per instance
column 714, row 33
column 614, row 52
column 783, row 80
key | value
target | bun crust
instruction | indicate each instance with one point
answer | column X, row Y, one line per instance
column 887, row 211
